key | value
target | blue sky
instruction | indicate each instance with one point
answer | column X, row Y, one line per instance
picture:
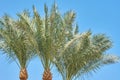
column 101, row 16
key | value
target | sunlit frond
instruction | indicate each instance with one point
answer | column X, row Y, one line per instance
column 94, row 66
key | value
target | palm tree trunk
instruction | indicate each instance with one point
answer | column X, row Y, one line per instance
column 23, row 74
column 47, row 75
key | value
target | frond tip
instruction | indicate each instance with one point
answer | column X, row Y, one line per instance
column 108, row 59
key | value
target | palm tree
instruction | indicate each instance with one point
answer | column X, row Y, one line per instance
column 16, row 42
column 84, row 54
column 44, row 39
column 51, row 33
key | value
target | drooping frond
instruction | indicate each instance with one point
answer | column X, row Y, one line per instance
column 94, row 66
column 102, row 42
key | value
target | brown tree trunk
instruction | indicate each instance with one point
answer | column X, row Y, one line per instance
column 23, row 74
column 47, row 75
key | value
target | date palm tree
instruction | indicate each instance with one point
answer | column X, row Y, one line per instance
column 51, row 33
column 84, row 54
column 16, row 42
column 46, row 43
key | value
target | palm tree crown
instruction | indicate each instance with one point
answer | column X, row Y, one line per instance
column 16, row 42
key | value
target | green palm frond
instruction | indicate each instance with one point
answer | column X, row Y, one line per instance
column 94, row 66
column 102, row 41
column 76, row 31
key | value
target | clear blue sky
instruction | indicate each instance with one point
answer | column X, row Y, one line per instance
column 101, row 16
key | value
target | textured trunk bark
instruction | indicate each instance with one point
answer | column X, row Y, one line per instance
column 47, row 75
column 23, row 74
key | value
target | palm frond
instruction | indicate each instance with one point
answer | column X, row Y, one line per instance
column 94, row 66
